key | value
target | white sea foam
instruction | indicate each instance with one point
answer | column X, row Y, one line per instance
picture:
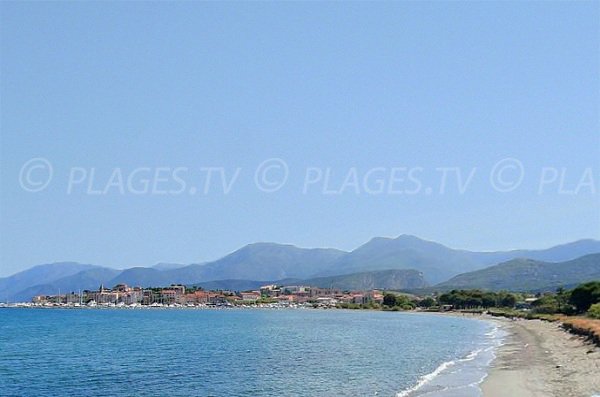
column 426, row 378
column 494, row 337
column 444, row 366
column 471, row 356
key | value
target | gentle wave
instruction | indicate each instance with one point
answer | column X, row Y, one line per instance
column 471, row 356
column 495, row 337
column 427, row 378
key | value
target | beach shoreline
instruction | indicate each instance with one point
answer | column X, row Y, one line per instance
column 540, row 359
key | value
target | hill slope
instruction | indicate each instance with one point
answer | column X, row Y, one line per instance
column 11, row 286
column 384, row 279
column 88, row 279
column 268, row 261
column 558, row 253
column 395, row 279
column 528, row 275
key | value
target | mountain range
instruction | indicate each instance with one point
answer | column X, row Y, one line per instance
column 269, row 261
column 438, row 262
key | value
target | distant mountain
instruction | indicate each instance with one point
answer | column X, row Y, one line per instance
column 397, row 279
column 558, row 253
column 528, row 275
column 86, row 280
column 41, row 274
column 438, row 262
column 269, row 261
column 142, row 276
column 435, row 260
column 384, row 279
column 260, row 261
column 167, row 266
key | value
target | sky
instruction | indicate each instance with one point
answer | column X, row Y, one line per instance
column 133, row 133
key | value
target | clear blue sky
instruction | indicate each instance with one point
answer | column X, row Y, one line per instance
column 193, row 84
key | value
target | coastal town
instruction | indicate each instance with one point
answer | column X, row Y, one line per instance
column 177, row 295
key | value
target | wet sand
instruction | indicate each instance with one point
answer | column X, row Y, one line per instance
column 539, row 359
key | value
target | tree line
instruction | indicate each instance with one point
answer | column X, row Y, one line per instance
column 472, row 299
column 584, row 299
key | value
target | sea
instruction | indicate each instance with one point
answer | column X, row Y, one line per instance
column 242, row 352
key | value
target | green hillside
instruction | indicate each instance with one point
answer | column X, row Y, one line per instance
column 528, row 275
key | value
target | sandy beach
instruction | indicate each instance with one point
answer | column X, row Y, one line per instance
column 539, row 359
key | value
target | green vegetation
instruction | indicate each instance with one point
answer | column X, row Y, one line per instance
column 528, row 275
column 514, row 313
column 547, row 304
column 266, row 300
column 584, row 299
column 397, row 302
column 192, row 288
column 594, row 311
column 427, row 302
column 585, row 295
column 396, row 279
column 356, row 306
column 471, row 299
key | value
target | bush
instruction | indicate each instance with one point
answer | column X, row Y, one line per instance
column 427, row 302
column 547, row 304
column 546, row 309
column 594, row 311
column 389, row 300
column 401, row 301
column 585, row 295
column 507, row 300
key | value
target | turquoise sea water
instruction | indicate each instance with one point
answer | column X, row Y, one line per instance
column 251, row 352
